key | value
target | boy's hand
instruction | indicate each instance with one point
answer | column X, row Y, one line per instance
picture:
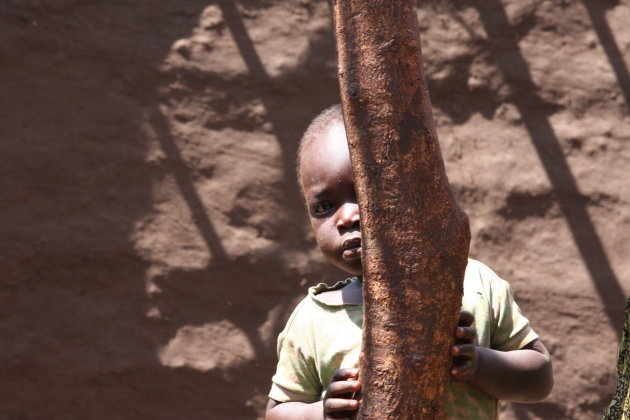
column 465, row 360
column 339, row 402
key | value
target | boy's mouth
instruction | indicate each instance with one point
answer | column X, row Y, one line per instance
column 351, row 249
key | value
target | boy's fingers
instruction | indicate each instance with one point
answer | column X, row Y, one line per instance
column 466, row 319
column 345, row 374
column 466, row 334
column 335, row 405
column 466, row 350
column 461, row 370
column 342, row 387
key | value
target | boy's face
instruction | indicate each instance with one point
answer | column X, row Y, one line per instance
column 331, row 201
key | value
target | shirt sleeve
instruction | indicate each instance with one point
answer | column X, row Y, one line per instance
column 511, row 330
column 296, row 377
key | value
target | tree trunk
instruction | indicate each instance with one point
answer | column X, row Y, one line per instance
column 415, row 237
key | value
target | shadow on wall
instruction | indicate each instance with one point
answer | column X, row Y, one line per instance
column 572, row 202
column 597, row 13
column 76, row 342
column 503, row 49
column 244, row 291
column 305, row 97
column 80, row 82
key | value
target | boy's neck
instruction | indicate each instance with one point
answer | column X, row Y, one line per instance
column 351, row 294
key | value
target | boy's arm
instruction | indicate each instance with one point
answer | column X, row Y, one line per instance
column 523, row 375
column 294, row 410
column 338, row 401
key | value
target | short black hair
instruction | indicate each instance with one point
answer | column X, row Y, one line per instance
column 321, row 123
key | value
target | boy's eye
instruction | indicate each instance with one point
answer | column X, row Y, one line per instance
column 321, row 207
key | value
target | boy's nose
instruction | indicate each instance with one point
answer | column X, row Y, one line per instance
column 348, row 215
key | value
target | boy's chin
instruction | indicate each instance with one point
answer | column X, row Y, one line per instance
column 352, row 267
column 353, row 270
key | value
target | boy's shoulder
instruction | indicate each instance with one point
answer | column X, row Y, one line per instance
column 479, row 275
column 477, row 268
column 498, row 319
column 480, row 281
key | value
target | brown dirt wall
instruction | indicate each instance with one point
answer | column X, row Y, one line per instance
column 154, row 242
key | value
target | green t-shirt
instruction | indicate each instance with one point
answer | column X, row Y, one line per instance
column 320, row 338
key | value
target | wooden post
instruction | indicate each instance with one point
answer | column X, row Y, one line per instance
column 415, row 237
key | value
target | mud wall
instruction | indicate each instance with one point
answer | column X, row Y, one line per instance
column 153, row 239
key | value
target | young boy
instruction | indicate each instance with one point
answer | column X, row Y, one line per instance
column 498, row 356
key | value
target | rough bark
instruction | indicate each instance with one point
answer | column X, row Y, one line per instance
column 415, row 237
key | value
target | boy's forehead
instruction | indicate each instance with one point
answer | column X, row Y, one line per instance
column 325, row 155
column 330, row 144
